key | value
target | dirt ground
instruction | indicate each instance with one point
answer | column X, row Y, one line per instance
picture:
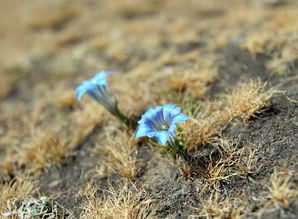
column 231, row 65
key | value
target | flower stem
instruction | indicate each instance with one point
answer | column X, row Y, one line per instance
column 175, row 149
column 127, row 121
column 172, row 141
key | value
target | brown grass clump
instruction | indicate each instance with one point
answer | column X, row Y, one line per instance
column 232, row 162
column 92, row 115
column 133, row 8
column 207, row 154
column 204, row 126
column 68, row 39
column 280, row 63
column 216, row 208
column 127, row 203
column 46, row 148
column 256, row 43
column 52, row 16
column 120, row 155
column 50, row 146
column 249, row 99
column 5, row 85
column 199, row 132
column 277, row 66
column 247, row 161
column 193, row 83
column 283, row 190
column 221, row 169
column 66, row 99
column 217, row 161
column 20, row 188
column 6, row 167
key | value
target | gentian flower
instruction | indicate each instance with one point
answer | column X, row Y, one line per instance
column 97, row 88
column 160, row 122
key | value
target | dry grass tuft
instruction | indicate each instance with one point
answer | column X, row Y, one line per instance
column 231, row 162
column 249, row 99
column 204, row 126
column 46, row 148
column 256, row 43
column 283, row 190
column 209, row 156
column 281, row 63
column 52, row 16
column 221, row 169
column 199, row 132
column 19, row 188
column 217, row 163
column 246, row 163
column 5, row 85
column 127, row 203
column 207, row 122
column 120, row 155
column 194, row 83
column 91, row 115
column 68, row 39
column 65, row 99
column 50, row 146
column 216, row 208
column 277, row 66
column 132, row 8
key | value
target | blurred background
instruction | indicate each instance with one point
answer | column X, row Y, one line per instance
column 142, row 28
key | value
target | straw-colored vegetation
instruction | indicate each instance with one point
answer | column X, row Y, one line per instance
column 168, row 51
column 214, row 207
column 205, row 125
column 193, row 83
column 127, row 202
column 120, row 155
column 244, row 102
column 249, row 99
column 283, row 191
column 21, row 188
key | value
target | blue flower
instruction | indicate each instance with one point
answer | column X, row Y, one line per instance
column 160, row 122
column 97, row 88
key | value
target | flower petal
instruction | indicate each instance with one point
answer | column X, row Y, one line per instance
column 101, row 78
column 162, row 137
column 106, row 73
column 159, row 120
column 143, row 131
column 149, row 114
column 171, row 108
column 172, row 127
column 180, row 118
column 169, row 112
column 82, row 89
column 80, row 93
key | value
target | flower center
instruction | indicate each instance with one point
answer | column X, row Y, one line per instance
column 164, row 127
